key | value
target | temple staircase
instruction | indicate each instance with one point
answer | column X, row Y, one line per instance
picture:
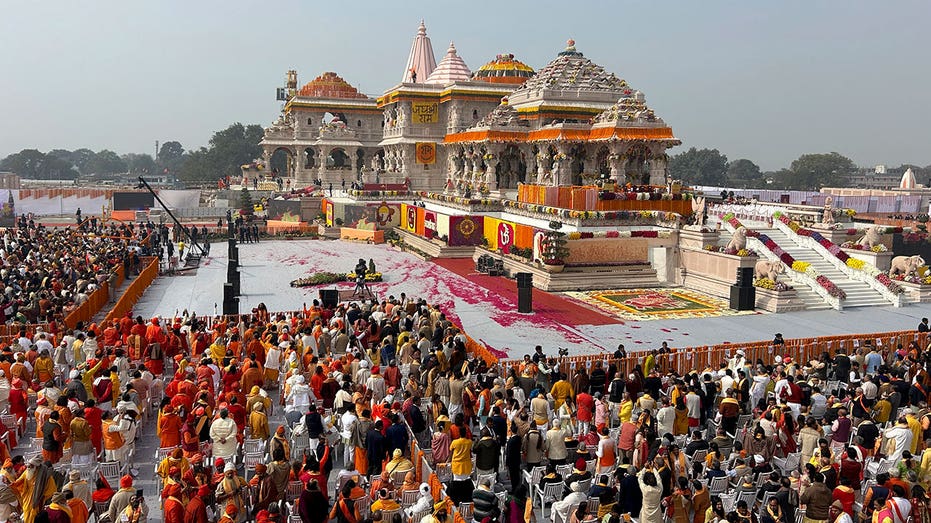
column 812, row 300
column 859, row 294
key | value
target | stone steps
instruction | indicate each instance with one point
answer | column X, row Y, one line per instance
column 859, row 294
column 581, row 278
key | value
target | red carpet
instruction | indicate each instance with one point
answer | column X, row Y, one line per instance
column 556, row 308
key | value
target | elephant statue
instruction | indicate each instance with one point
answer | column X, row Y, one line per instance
column 906, row 265
column 871, row 238
column 738, row 241
column 769, row 270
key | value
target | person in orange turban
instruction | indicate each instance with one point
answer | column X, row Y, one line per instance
column 174, row 506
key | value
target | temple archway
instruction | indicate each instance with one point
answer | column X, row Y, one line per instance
column 310, row 158
column 511, row 168
column 577, row 158
column 638, row 164
column 360, row 159
column 338, row 159
column 601, row 162
column 282, row 162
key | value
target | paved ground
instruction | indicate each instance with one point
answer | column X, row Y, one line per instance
column 268, row 267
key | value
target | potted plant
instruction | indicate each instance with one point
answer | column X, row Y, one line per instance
column 555, row 250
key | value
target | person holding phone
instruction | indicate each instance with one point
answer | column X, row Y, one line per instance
column 137, row 511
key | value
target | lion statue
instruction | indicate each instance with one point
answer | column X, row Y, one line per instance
column 871, row 238
column 906, row 265
column 739, row 240
column 827, row 216
column 769, row 270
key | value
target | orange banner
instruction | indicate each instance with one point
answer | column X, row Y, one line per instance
column 426, row 153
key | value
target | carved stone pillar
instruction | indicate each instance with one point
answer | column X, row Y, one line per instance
column 267, row 160
column 616, row 162
column 531, row 162
column 491, row 167
column 658, row 170
column 321, row 169
column 563, row 174
column 476, row 178
column 544, row 162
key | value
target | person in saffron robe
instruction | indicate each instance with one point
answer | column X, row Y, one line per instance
column 196, row 510
column 174, row 507
column 79, row 510
column 35, row 486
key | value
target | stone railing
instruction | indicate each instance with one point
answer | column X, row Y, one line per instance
column 865, row 272
column 809, row 276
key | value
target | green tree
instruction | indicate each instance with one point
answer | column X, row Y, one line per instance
column 171, row 156
column 699, row 166
column 80, row 158
column 106, row 162
column 33, row 164
column 195, row 166
column 62, row 154
column 26, row 163
column 140, row 163
column 814, row 171
column 227, row 151
column 744, row 173
column 245, row 202
column 234, row 146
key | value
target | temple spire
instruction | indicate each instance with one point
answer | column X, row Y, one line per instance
column 421, row 61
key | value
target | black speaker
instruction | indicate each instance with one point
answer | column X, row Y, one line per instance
column 524, row 299
column 745, row 277
column 524, row 280
column 230, row 301
column 743, row 298
column 329, row 298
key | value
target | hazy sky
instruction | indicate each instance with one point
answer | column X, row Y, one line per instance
column 766, row 81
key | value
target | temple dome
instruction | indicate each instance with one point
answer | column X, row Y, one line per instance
column 571, row 71
column 504, row 69
column 451, row 69
column 329, row 85
column 505, row 115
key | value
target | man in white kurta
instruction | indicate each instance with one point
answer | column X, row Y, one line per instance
column 223, row 433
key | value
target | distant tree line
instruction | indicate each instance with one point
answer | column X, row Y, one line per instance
column 807, row 172
column 224, row 154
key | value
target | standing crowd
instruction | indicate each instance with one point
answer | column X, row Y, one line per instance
column 376, row 397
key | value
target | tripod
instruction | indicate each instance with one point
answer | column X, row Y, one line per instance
column 362, row 290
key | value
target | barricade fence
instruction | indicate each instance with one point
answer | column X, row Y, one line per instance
column 702, row 357
column 136, row 289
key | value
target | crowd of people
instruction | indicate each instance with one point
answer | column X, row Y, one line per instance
column 362, row 388
column 48, row 272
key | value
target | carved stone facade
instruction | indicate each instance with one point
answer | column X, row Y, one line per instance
column 572, row 123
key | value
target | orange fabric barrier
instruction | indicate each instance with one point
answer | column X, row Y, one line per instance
column 347, row 233
column 125, row 216
column 479, row 350
column 87, row 310
column 135, row 290
column 418, row 460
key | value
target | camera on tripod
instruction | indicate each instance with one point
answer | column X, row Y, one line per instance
column 563, row 352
